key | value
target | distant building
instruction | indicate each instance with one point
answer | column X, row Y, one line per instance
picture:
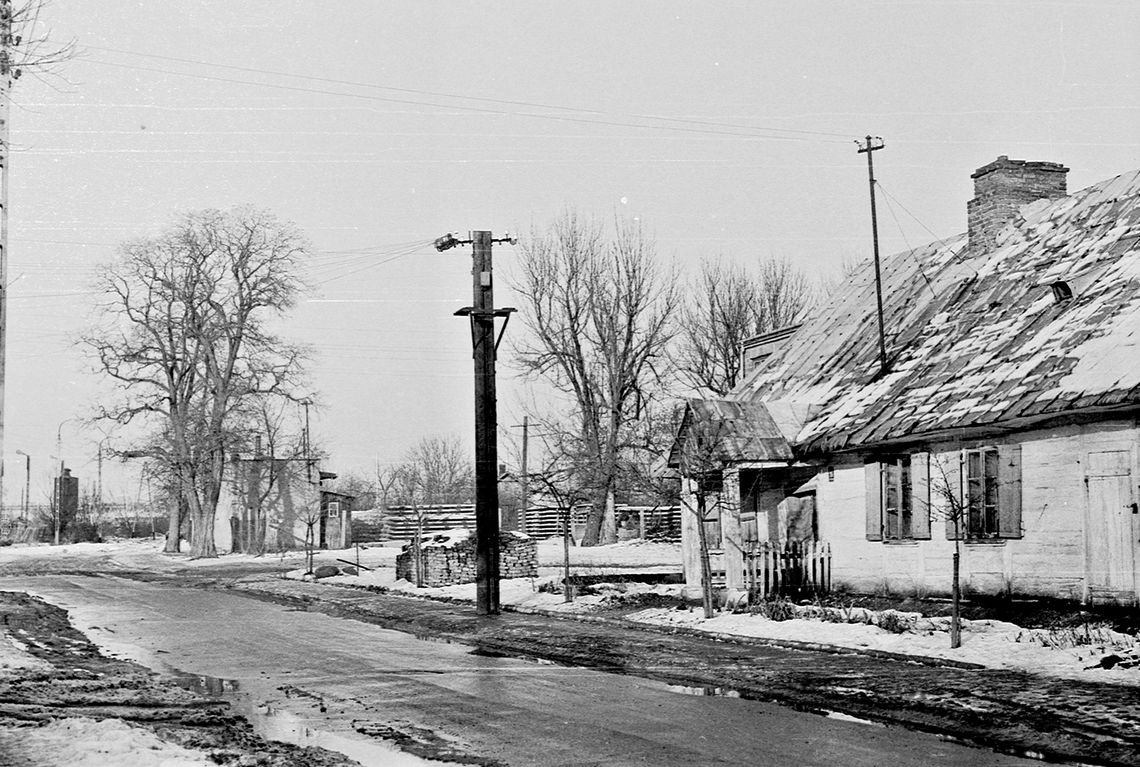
column 1006, row 416
column 273, row 504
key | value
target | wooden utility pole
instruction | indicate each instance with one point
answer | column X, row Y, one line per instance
column 7, row 74
column 525, row 478
column 870, row 145
column 484, row 344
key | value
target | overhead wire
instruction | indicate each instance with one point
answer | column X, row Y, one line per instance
column 939, row 241
column 750, row 133
column 909, row 249
column 466, row 97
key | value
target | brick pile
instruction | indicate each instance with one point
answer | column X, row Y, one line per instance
column 449, row 558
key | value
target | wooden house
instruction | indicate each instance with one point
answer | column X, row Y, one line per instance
column 1003, row 424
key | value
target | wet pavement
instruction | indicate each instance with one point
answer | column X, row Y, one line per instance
column 508, row 689
column 1022, row 713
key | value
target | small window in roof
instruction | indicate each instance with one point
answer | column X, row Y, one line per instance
column 1061, row 291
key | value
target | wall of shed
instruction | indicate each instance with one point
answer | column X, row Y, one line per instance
column 1049, row 560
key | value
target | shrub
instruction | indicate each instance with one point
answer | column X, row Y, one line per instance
column 779, row 610
column 896, row 622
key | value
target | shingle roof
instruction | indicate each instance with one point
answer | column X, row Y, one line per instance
column 737, row 432
column 975, row 339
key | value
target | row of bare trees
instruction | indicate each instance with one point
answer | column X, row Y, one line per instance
column 184, row 333
column 620, row 337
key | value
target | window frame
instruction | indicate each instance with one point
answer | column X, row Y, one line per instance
column 981, row 495
column 897, row 517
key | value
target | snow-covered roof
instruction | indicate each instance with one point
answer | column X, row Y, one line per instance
column 735, row 430
column 974, row 339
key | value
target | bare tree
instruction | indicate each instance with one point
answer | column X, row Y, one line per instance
column 408, row 483
column 946, row 503
column 598, row 316
column 32, row 50
column 444, row 468
column 558, row 483
column 183, row 335
column 728, row 304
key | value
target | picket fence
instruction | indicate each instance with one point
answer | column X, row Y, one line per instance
column 792, row 569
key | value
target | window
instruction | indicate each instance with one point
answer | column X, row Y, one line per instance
column 334, row 509
column 980, row 499
column 894, row 478
column 988, row 494
column 898, row 498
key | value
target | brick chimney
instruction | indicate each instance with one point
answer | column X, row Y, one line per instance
column 1002, row 188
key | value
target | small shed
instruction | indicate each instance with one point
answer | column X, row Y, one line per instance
column 336, row 520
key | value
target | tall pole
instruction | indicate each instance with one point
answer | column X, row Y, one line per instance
column 486, row 420
column 27, row 484
column 482, row 316
column 525, row 477
column 6, row 76
column 99, row 483
column 873, row 144
column 305, row 442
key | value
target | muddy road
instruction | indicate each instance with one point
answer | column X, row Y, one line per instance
column 526, row 690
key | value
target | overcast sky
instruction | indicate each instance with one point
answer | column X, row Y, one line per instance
column 725, row 128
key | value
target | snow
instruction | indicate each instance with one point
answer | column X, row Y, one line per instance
column 83, row 742
column 15, row 661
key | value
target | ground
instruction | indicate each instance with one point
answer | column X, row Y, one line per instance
column 48, row 671
column 64, row 702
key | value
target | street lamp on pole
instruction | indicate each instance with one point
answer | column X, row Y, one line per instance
column 27, row 483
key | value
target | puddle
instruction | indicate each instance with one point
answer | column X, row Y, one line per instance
column 484, row 652
column 728, row 692
column 714, row 692
column 848, row 718
column 277, row 720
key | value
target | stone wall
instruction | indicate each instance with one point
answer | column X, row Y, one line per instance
column 449, row 558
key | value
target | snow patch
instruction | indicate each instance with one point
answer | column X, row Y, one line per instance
column 83, row 742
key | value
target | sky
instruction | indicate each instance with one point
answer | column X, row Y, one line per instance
column 726, row 129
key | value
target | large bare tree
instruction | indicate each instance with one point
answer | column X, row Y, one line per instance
column 598, row 316
column 183, row 334
column 726, row 305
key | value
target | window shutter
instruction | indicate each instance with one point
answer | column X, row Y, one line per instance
column 1009, row 491
column 920, row 496
column 873, row 482
column 955, row 476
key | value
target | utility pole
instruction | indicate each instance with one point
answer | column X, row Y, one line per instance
column 872, row 144
column 7, row 74
column 525, row 477
column 306, row 403
column 484, row 344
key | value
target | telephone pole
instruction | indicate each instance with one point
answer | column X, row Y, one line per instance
column 7, row 74
column 525, row 477
column 873, row 144
column 484, row 344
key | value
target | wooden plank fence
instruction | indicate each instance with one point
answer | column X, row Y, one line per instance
column 798, row 568
column 795, row 569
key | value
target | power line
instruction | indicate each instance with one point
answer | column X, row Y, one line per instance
column 939, row 241
column 909, row 250
column 483, row 99
column 486, row 110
